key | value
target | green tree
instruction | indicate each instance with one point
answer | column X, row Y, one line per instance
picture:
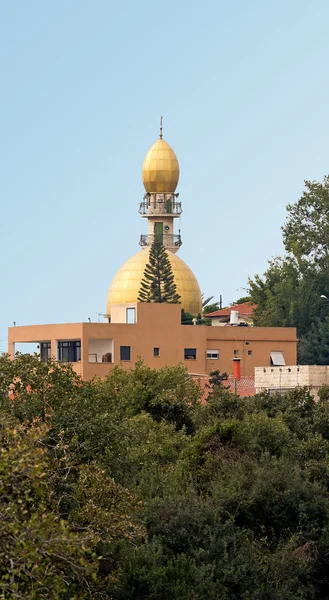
column 242, row 300
column 158, row 283
column 288, row 294
column 313, row 347
column 207, row 307
column 40, row 554
column 133, row 488
column 35, row 388
column 306, row 230
column 210, row 308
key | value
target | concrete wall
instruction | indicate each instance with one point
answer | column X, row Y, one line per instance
column 260, row 341
column 119, row 312
column 289, row 377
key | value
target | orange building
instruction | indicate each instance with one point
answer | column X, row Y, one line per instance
column 154, row 332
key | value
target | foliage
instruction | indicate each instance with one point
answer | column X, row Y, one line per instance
column 41, row 556
column 207, row 307
column 205, row 301
column 242, row 300
column 306, row 230
column 210, row 308
column 131, row 488
column 158, row 283
column 289, row 292
column 313, row 347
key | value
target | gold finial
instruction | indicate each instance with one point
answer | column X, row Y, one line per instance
column 160, row 128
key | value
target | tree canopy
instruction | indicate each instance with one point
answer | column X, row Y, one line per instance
column 306, row 230
column 158, row 283
column 289, row 292
column 132, row 488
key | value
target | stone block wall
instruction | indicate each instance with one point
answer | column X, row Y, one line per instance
column 289, row 377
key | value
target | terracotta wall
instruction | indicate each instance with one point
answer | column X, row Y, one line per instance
column 159, row 326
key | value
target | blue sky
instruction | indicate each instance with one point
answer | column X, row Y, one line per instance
column 244, row 91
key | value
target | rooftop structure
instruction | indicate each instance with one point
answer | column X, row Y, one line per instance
column 161, row 208
column 242, row 314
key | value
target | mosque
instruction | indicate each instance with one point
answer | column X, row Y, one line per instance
column 161, row 208
column 132, row 330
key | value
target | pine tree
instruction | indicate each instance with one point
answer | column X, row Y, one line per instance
column 158, row 283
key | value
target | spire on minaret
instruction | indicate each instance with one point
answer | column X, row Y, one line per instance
column 160, row 173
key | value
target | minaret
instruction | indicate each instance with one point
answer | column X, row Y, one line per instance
column 160, row 206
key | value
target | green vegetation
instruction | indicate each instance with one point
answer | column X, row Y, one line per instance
column 158, row 283
column 207, row 307
column 131, row 489
column 289, row 292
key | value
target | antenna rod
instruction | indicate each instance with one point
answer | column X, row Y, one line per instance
column 160, row 128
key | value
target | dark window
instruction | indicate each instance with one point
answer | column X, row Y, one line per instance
column 189, row 353
column 69, row 351
column 45, row 350
column 236, row 352
column 124, row 352
column 249, row 352
column 156, row 351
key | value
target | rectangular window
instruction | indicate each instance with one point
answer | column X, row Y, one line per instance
column 156, row 351
column 124, row 352
column 236, row 352
column 45, row 351
column 277, row 359
column 69, row 351
column 212, row 354
column 131, row 316
column 249, row 352
column 189, row 353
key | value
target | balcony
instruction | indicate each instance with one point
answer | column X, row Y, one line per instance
column 168, row 240
column 160, row 207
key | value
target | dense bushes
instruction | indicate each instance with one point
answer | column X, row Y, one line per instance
column 131, row 489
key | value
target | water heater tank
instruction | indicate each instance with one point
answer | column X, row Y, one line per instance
column 234, row 317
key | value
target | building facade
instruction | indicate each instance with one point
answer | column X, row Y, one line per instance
column 154, row 333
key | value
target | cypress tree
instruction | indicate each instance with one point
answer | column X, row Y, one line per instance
column 158, row 283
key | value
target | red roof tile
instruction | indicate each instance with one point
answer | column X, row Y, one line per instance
column 245, row 310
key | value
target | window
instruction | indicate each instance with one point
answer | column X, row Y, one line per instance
column 249, row 352
column 212, row 354
column 69, row 351
column 45, row 350
column 236, row 352
column 130, row 316
column 156, row 351
column 277, row 359
column 189, row 353
column 124, row 352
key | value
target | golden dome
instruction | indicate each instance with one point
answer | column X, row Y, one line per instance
column 160, row 171
column 126, row 283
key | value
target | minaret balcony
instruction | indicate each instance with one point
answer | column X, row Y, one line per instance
column 168, row 240
column 157, row 206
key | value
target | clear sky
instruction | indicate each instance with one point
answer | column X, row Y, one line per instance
column 244, row 91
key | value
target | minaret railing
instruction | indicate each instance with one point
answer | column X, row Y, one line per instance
column 167, row 239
